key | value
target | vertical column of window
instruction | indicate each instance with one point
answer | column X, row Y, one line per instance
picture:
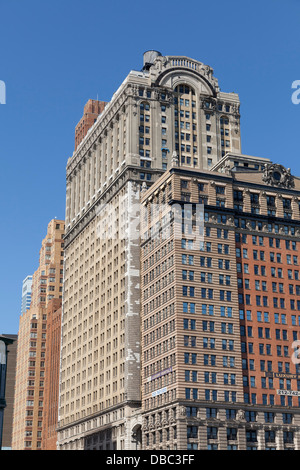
column 144, row 135
column 208, row 106
column 112, row 148
column 124, row 133
column 68, row 202
column 208, row 136
column 271, row 205
column 186, row 139
column 97, row 177
column 225, row 135
column 164, row 142
column 119, row 143
column 238, row 200
column 87, row 178
column 243, row 299
column 92, row 178
column 287, row 208
column 255, row 203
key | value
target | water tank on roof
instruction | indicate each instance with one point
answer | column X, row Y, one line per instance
column 149, row 58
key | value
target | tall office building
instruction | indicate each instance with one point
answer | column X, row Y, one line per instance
column 173, row 103
column 156, row 351
column 221, row 307
column 51, row 383
column 31, row 350
column 26, row 294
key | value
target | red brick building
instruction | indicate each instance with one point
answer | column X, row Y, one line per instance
column 91, row 111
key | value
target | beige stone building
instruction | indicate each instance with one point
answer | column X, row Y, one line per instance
column 173, row 103
column 126, row 326
column 31, row 350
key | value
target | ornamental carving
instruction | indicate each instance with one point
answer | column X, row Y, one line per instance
column 278, row 175
column 240, row 415
column 175, row 160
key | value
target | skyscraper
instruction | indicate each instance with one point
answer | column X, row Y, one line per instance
column 31, row 349
column 26, row 294
column 51, row 383
column 161, row 332
column 172, row 104
column 220, row 312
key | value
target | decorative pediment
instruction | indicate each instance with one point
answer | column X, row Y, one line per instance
column 277, row 175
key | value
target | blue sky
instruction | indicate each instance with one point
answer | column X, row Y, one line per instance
column 56, row 55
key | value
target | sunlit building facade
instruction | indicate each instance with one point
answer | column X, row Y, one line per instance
column 32, row 339
column 156, row 345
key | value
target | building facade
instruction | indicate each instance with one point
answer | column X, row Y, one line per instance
column 51, row 383
column 133, row 369
column 32, row 336
column 8, row 371
column 173, row 103
column 221, row 307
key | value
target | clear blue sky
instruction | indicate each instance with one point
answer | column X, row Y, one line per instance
column 55, row 55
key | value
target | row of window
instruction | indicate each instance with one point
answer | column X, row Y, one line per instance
column 224, row 295
column 263, row 301
column 262, row 285
column 231, row 396
column 232, row 435
column 249, row 416
column 284, row 384
column 254, row 199
column 187, row 244
column 265, row 349
column 220, row 190
column 265, row 317
column 274, row 258
column 205, row 261
column 214, row 395
column 260, row 270
column 239, row 222
column 269, row 399
column 267, row 366
column 209, row 377
column 265, row 333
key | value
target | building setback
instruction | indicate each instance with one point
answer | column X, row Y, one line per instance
column 156, row 348
column 32, row 338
